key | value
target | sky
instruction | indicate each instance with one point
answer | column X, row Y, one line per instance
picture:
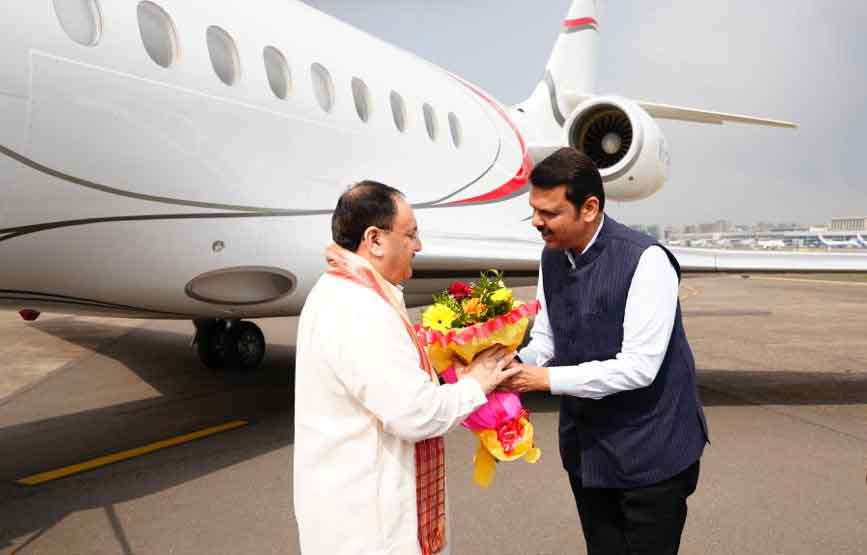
column 803, row 61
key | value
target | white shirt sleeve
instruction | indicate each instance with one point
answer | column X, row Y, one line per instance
column 379, row 366
column 651, row 305
column 540, row 349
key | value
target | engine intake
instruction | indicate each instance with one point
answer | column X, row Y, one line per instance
column 625, row 144
column 604, row 134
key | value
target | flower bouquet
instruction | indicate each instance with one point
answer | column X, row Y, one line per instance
column 462, row 322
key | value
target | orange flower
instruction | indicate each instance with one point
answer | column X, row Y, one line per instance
column 473, row 307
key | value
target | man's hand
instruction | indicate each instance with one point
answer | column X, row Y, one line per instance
column 489, row 368
column 528, row 378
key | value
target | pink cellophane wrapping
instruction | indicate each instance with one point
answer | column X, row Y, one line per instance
column 500, row 408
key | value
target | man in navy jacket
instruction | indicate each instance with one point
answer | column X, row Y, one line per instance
column 610, row 341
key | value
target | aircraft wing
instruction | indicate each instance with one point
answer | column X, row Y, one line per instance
column 448, row 257
column 719, row 260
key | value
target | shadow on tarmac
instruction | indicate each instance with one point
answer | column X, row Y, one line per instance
column 736, row 387
column 188, row 397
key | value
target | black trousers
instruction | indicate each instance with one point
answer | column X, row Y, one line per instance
column 641, row 521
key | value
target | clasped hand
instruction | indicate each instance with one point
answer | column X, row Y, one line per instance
column 490, row 368
column 527, row 378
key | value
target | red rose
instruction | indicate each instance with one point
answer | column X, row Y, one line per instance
column 460, row 290
column 509, row 434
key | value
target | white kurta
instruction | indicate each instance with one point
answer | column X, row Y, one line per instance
column 361, row 402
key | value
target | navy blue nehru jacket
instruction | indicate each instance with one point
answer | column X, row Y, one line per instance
column 631, row 438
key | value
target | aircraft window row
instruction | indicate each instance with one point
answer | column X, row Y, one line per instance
column 82, row 22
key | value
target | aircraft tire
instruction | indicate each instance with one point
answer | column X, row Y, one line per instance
column 244, row 347
column 208, row 345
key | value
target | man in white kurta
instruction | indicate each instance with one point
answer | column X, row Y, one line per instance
column 362, row 401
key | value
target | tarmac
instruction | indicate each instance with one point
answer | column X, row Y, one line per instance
column 782, row 368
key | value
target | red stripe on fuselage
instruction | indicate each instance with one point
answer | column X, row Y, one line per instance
column 521, row 178
column 580, row 21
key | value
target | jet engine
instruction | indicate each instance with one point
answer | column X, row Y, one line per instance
column 625, row 143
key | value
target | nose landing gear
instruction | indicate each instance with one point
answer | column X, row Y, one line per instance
column 232, row 345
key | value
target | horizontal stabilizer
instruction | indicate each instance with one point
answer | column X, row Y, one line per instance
column 666, row 111
column 571, row 99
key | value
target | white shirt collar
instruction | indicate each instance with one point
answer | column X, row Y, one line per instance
column 569, row 254
column 398, row 291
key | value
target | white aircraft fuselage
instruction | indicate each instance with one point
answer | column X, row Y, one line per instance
column 125, row 181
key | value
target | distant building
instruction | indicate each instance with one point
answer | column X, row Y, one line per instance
column 719, row 226
column 651, row 229
column 848, row 224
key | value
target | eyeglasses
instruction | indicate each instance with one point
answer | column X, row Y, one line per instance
column 411, row 235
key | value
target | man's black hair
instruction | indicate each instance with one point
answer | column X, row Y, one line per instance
column 570, row 167
column 365, row 204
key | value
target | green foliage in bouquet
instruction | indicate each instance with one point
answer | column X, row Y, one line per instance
column 467, row 304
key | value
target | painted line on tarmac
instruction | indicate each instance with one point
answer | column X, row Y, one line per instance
column 98, row 462
column 806, row 280
column 689, row 292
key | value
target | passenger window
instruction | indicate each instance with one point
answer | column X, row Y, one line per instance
column 398, row 111
column 323, row 86
column 224, row 55
column 80, row 19
column 430, row 121
column 279, row 77
column 157, row 34
column 361, row 95
column 455, row 128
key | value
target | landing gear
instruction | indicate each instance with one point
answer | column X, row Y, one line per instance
column 207, row 342
column 231, row 345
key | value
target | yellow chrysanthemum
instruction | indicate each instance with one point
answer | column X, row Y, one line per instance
column 502, row 295
column 473, row 307
column 438, row 317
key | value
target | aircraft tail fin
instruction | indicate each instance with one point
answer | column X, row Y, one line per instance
column 571, row 67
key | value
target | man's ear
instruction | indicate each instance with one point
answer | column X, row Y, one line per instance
column 372, row 238
column 590, row 209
